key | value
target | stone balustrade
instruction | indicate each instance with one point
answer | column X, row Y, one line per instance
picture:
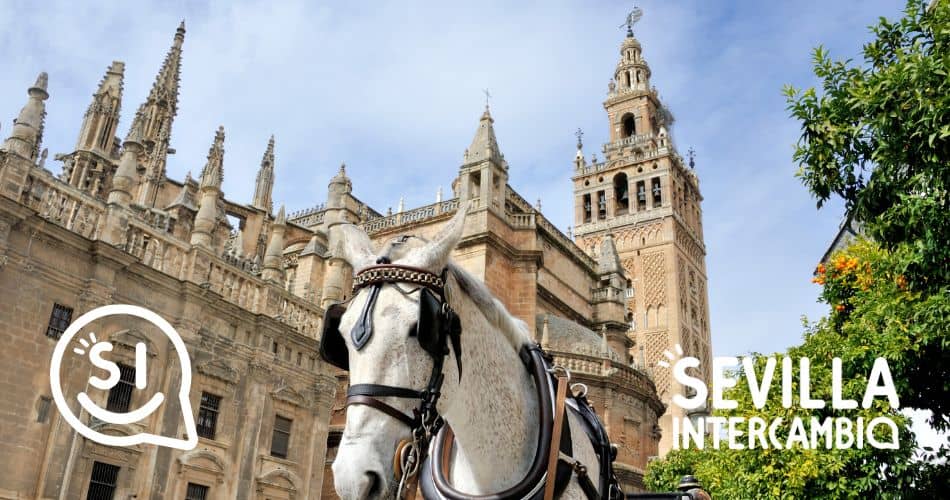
column 308, row 217
column 379, row 224
column 521, row 221
column 63, row 205
column 155, row 248
column 633, row 140
column 623, row 162
column 607, row 293
column 158, row 219
column 596, row 364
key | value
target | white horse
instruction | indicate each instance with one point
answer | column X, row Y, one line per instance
column 492, row 407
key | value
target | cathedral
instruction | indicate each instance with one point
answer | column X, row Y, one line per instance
column 245, row 283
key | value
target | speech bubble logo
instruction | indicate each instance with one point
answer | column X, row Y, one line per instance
column 96, row 349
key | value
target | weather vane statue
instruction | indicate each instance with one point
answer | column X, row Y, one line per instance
column 632, row 19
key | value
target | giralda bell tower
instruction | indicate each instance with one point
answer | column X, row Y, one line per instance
column 644, row 196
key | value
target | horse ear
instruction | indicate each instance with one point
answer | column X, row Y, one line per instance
column 435, row 255
column 353, row 245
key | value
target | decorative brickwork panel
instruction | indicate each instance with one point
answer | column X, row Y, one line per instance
column 657, row 342
column 654, row 275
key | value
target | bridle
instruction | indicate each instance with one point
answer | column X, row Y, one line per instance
column 438, row 325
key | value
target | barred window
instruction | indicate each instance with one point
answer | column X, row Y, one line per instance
column 208, row 415
column 280, row 441
column 59, row 320
column 120, row 396
column 103, row 481
column 196, row 492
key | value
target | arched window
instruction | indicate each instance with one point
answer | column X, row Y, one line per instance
column 628, row 125
column 621, row 194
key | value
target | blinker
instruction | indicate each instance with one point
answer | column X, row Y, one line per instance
column 437, row 325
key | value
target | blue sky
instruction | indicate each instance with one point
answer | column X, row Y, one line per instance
column 394, row 90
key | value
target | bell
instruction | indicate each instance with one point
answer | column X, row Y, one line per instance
column 623, row 196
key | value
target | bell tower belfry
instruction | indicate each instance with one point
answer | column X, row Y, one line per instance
column 645, row 197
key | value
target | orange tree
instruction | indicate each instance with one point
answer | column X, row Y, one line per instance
column 877, row 136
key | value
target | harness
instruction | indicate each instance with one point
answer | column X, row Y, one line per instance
column 425, row 457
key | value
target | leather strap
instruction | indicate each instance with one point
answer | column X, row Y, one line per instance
column 363, row 329
column 556, row 434
column 360, row 399
column 383, row 391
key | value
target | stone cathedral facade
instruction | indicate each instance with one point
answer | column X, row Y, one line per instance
column 246, row 286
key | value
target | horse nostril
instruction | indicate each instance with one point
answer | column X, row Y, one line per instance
column 374, row 485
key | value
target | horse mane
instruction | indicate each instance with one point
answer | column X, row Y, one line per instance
column 495, row 312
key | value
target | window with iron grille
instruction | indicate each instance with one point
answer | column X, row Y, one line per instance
column 196, row 492
column 103, row 481
column 208, row 415
column 280, row 441
column 120, row 396
column 59, row 320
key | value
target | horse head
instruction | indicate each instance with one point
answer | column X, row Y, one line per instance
column 388, row 337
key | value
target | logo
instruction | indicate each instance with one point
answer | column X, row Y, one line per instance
column 95, row 348
column 739, row 433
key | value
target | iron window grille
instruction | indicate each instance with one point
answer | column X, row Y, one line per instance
column 120, row 396
column 196, row 492
column 59, row 320
column 280, row 441
column 103, row 481
column 208, row 415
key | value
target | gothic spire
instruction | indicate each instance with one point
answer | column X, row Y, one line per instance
column 273, row 256
column 27, row 134
column 161, row 106
column 206, row 220
column 484, row 145
column 213, row 173
column 264, row 186
column 609, row 260
column 102, row 116
column 126, row 177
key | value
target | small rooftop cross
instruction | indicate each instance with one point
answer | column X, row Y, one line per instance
column 487, row 97
column 692, row 157
column 632, row 19
column 580, row 135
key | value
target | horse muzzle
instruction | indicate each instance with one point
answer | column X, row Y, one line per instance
column 357, row 475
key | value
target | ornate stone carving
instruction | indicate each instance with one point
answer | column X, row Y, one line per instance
column 220, row 370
